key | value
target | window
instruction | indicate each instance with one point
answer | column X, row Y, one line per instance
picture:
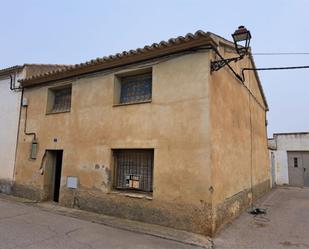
column 295, row 162
column 137, row 88
column 59, row 99
column 134, row 169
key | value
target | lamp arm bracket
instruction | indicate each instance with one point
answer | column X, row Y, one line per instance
column 218, row 64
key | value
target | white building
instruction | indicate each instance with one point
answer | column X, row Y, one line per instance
column 289, row 154
column 10, row 103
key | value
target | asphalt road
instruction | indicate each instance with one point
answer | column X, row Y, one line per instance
column 29, row 227
column 285, row 226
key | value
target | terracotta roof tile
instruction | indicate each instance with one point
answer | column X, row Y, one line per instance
column 199, row 38
column 125, row 54
column 34, row 69
column 37, row 69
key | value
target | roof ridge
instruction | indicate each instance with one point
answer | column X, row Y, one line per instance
column 154, row 46
column 47, row 64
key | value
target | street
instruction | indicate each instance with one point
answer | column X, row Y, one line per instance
column 285, row 225
column 26, row 226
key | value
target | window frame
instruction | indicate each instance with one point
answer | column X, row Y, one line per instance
column 115, row 182
column 51, row 99
column 129, row 76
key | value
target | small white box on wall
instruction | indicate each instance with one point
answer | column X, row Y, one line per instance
column 72, row 182
column 24, row 102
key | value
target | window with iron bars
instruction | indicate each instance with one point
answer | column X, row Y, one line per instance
column 137, row 88
column 62, row 99
column 133, row 169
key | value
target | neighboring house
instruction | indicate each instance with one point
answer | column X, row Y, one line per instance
column 289, row 153
column 149, row 134
column 10, row 101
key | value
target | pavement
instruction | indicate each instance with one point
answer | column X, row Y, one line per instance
column 31, row 225
column 285, row 226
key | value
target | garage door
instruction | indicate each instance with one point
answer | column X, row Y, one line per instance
column 298, row 168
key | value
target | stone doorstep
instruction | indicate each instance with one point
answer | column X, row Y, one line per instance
column 124, row 224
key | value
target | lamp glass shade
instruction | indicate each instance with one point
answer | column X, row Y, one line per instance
column 241, row 36
column 241, row 39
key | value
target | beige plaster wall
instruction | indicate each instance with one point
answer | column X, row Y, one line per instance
column 175, row 124
column 237, row 165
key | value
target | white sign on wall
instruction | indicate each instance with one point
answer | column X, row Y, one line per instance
column 72, row 182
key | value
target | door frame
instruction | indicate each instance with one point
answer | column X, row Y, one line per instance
column 53, row 160
column 303, row 168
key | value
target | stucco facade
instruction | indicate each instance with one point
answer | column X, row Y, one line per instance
column 9, row 116
column 279, row 146
column 238, row 141
column 207, row 156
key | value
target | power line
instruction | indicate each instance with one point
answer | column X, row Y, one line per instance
column 282, row 53
column 274, row 68
column 242, row 77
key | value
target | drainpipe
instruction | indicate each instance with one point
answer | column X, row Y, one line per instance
column 34, row 143
column 12, row 81
column 13, row 88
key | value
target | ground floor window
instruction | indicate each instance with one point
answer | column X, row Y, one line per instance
column 133, row 169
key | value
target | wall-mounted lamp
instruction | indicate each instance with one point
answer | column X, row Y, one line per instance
column 241, row 38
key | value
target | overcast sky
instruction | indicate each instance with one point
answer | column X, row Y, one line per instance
column 73, row 31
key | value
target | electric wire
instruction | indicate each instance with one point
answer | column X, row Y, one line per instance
column 273, row 68
column 269, row 69
column 282, row 53
column 265, row 69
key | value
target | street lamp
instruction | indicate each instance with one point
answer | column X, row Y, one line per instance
column 241, row 39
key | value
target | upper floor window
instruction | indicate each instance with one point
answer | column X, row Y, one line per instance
column 136, row 88
column 59, row 99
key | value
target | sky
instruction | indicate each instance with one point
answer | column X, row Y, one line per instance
column 74, row 31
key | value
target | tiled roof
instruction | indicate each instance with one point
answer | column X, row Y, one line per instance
column 173, row 45
column 163, row 45
column 10, row 69
column 39, row 69
column 33, row 69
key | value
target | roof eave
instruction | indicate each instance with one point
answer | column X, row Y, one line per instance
column 9, row 70
column 137, row 57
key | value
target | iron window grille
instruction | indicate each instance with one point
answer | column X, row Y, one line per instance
column 62, row 99
column 137, row 88
column 133, row 169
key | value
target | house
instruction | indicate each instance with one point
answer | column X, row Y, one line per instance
column 151, row 134
column 10, row 101
column 289, row 154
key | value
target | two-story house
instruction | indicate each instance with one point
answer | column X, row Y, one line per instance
column 151, row 134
